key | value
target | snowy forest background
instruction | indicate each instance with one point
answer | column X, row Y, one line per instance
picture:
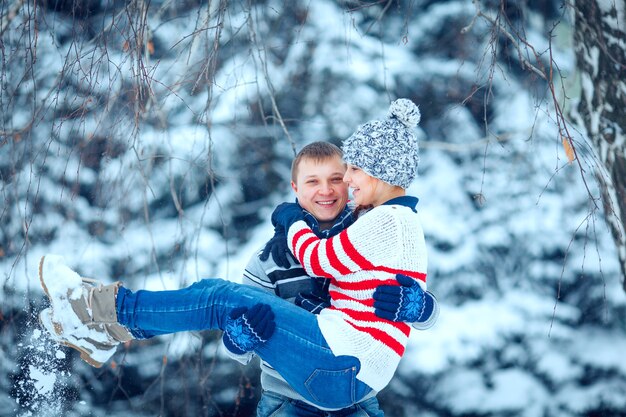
column 149, row 142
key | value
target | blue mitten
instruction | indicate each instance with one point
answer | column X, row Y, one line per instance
column 246, row 329
column 287, row 214
column 406, row 303
column 278, row 248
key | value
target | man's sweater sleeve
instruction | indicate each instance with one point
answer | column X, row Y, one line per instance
column 256, row 274
column 371, row 241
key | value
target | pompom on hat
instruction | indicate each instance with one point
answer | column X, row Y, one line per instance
column 387, row 149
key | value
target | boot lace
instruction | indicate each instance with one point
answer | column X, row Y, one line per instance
column 93, row 285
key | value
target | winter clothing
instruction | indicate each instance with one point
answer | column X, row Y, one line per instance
column 278, row 249
column 290, row 281
column 82, row 312
column 387, row 149
column 297, row 350
column 311, row 293
column 286, row 214
column 407, row 303
column 386, row 241
column 276, row 405
column 337, row 373
column 246, row 329
column 350, row 352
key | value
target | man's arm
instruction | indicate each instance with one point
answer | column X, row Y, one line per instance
column 284, row 281
column 253, row 276
column 407, row 302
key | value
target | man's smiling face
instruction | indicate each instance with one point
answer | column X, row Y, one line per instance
column 320, row 188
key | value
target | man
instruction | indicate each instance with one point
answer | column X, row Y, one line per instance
column 317, row 180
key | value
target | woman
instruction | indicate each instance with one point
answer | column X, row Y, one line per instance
column 333, row 359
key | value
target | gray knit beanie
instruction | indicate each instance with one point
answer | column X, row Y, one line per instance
column 387, row 149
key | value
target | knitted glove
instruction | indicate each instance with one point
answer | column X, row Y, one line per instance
column 287, row 214
column 246, row 329
column 406, row 303
column 278, row 248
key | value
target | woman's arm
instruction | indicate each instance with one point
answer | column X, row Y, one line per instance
column 368, row 244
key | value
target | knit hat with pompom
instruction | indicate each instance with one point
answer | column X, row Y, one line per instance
column 387, row 149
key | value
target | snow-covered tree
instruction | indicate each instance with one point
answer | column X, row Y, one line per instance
column 600, row 43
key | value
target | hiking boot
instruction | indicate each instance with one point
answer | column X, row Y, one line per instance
column 82, row 312
column 94, row 352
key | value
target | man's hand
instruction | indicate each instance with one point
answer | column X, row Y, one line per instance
column 406, row 303
column 287, row 214
column 246, row 329
column 278, row 248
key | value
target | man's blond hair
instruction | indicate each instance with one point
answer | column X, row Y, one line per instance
column 317, row 151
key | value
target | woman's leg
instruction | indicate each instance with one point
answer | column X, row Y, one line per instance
column 203, row 305
column 299, row 352
column 297, row 349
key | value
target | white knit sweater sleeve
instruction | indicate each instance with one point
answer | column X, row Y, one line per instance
column 373, row 240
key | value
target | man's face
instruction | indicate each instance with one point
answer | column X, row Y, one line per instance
column 320, row 188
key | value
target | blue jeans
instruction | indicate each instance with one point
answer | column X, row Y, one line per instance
column 274, row 405
column 297, row 349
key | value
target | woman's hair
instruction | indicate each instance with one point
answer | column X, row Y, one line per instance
column 316, row 151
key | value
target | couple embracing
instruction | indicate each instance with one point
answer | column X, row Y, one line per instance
column 351, row 283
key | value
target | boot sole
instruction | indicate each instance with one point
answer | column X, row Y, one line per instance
column 45, row 320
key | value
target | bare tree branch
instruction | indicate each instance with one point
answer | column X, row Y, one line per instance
column 6, row 19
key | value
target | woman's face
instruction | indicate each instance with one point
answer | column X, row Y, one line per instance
column 366, row 190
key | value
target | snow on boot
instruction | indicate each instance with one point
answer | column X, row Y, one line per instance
column 82, row 312
column 94, row 352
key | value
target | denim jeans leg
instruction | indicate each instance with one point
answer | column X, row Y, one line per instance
column 297, row 350
column 367, row 408
column 272, row 404
column 153, row 313
column 203, row 305
column 275, row 405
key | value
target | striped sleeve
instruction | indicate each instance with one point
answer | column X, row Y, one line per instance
column 370, row 242
column 255, row 275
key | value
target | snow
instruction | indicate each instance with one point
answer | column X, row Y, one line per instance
column 614, row 12
column 44, row 382
column 558, row 367
column 601, row 350
column 39, row 393
column 60, row 281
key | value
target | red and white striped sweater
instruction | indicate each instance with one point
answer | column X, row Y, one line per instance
column 383, row 242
